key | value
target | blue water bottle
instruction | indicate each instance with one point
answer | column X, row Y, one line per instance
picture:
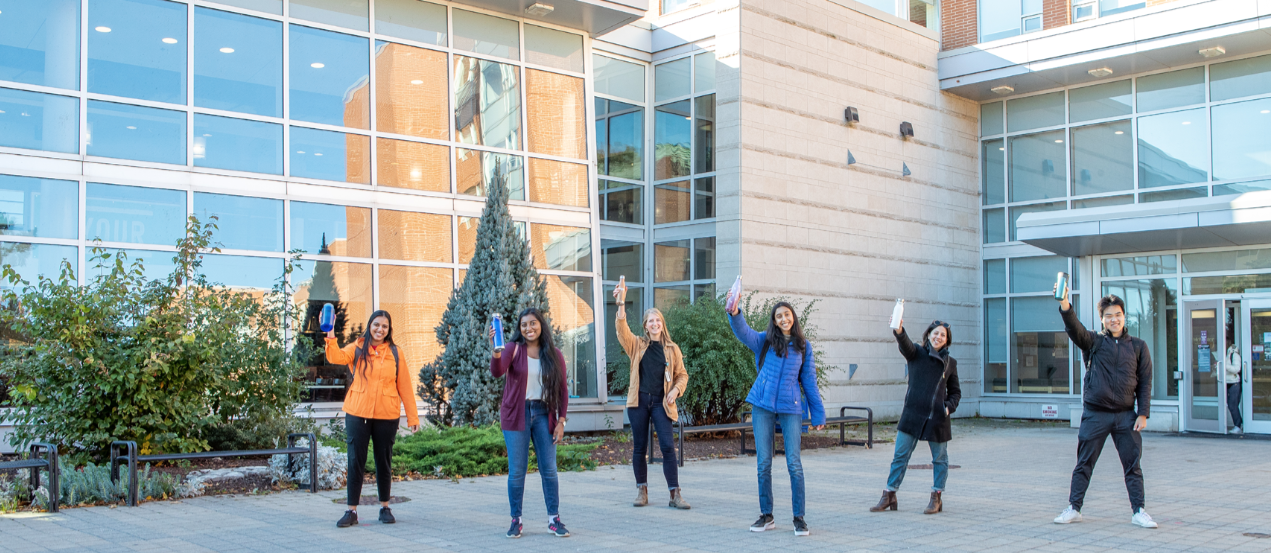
column 1061, row 284
column 327, row 322
column 496, row 322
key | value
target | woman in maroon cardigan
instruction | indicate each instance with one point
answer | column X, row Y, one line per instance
column 535, row 399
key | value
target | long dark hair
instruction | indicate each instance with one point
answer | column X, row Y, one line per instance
column 550, row 375
column 948, row 334
column 359, row 354
column 777, row 340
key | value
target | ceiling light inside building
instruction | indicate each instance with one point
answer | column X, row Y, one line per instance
column 539, row 9
column 1003, row 89
column 169, row 40
column 1100, row 72
column 1120, row 132
column 317, row 65
column 227, row 50
column 102, row 29
column 1213, row 52
column 417, row 81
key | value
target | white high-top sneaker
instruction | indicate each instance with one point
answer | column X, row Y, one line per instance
column 1143, row 519
column 1237, row 430
column 1069, row 515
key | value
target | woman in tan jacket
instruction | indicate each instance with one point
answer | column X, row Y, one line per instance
column 657, row 379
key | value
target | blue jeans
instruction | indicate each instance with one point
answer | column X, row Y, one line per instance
column 765, row 436
column 905, row 444
column 518, row 445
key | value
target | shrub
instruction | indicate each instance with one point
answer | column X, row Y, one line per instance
column 87, row 485
column 332, row 467
column 463, row 451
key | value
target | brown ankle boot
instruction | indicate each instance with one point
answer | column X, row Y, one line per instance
column 888, row 501
column 935, row 506
column 642, row 496
column 677, row 500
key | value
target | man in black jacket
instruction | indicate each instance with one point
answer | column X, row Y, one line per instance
column 1118, row 374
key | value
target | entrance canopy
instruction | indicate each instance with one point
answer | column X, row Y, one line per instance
column 1239, row 220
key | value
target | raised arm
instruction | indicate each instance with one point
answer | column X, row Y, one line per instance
column 629, row 342
column 907, row 347
column 743, row 332
column 1082, row 338
column 499, row 364
column 337, row 355
column 807, row 379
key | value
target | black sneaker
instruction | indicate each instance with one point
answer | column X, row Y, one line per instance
column 386, row 515
column 349, row 519
column 558, row 527
column 515, row 530
column 765, row 522
column 800, row 527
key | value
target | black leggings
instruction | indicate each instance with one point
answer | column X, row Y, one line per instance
column 650, row 410
column 361, row 432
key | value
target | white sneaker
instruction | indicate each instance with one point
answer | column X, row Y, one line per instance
column 1143, row 519
column 1237, row 430
column 1070, row 515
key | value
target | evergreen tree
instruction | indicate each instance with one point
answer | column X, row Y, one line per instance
column 501, row 278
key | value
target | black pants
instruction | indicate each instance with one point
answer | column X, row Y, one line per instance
column 651, row 408
column 361, row 432
column 1095, row 427
column 1233, row 404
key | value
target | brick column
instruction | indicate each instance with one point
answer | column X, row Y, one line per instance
column 1056, row 13
column 960, row 24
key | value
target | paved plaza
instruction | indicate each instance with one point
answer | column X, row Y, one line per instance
column 1206, row 493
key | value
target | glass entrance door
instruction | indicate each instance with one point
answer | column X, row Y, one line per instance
column 1203, row 396
column 1255, row 375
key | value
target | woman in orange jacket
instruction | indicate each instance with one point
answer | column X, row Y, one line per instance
column 381, row 387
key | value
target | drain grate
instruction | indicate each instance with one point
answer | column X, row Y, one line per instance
column 1257, row 535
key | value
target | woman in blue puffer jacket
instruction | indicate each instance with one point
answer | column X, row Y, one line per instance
column 786, row 380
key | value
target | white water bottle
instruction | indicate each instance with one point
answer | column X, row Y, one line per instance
column 897, row 313
column 734, row 295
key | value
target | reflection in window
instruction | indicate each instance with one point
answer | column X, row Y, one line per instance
column 994, row 226
column 1151, row 314
column 619, row 139
column 38, row 121
column 704, row 134
column 1103, row 201
column 1016, row 212
column 1038, row 166
column 1036, row 274
column 415, row 297
column 487, row 103
column 672, row 141
column 237, row 144
column 672, row 79
column 994, row 276
column 1235, row 79
column 669, row 6
column 154, row 265
column 1111, row 7
column 570, row 299
column 991, row 119
column 329, row 78
column 40, row 43
column 671, row 261
column 1176, row 194
column 44, row 208
column 634, row 311
column 555, row 111
column 1044, row 110
column 411, row 236
column 618, row 78
column 347, row 287
column 468, row 238
column 996, row 345
column 134, row 132
column 1242, row 188
column 993, row 171
column 267, row 6
column 557, row 182
column 486, row 34
column 1173, row 149
column 134, row 214
column 672, row 202
column 704, row 72
column 136, row 49
column 1039, row 348
column 1239, row 153
column 925, row 13
column 667, row 297
column 410, row 91
column 622, row 202
column 1229, row 260
column 1140, row 266
column 560, row 248
column 476, row 171
column 1102, row 158
column 237, row 63
column 32, row 261
column 412, row 20
column 330, row 155
column 1230, row 284
column 242, row 273
column 704, row 198
column 622, row 259
column 553, row 48
column 1170, row 90
column 326, row 229
column 999, row 19
column 704, row 258
column 243, row 223
column 341, row 13
column 1100, row 101
column 413, row 165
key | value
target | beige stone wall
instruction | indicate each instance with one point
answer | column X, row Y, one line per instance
column 801, row 222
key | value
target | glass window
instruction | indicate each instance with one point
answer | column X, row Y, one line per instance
column 1170, row 90
column 672, row 141
column 669, row 6
column 553, row 48
column 32, row 261
column 991, row 119
column 704, row 134
column 485, row 34
column 1036, row 274
column 1176, row 194
column 237, row 63
column 560, row 248
column 136, row 49
column 1111, row 7
column 672, row 202
column 412, row 165
column 487, row 103
column 267, row 6
column 416, row 297
column 412, row 236
column 1239, row 153
column 411, row 93
column 560, row 183
column 326, row 229
column 704, row 198
column 1173, row 149
column 1151, row 314
column 1100, row 101
column 1016, row 212
column 994, row 276
column 243, row 223
column 999, row 19
column 1102, row 158
column 1139, row 266
column 555, row 111
column 475, row 171
column 1044, row 110
column 1242, row 188
column 620, row 140
column 44, row 208
column 155, row 265
column 994, row 226
column 38, row 121
column 704, row 258
column 886, row 6
column 671, row 261
column 329, row 76
column 134, row 214
column 672, row 79
column 329, row 155
column 1039, row 347
column 993, row 171
column 135, row 132
column 1235, row 79
column 622, row 202
column 1103, row 201
column 347, row 287
column 40, row 43
column 622, row 259
column 242, row 272
column 467, row 238
column 570, row 299
column 1230, row 260
column 1038, row 166
column 341, row 13
column 237, row 144
column 1230, row 284
column 704, row 72
column 412, row 20
column 618, row 78
column 667, row 297
column 634, row 309
column 996, row 345
column 925, row 13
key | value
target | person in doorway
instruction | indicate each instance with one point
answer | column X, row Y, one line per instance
column 657, row 379
column 786, row 378
column 372, row 409
column 1118, row 374
column 533, row 410
column 1231, row 372
column 930, row 401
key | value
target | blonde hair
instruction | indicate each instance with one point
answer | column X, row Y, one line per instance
column 644, row 325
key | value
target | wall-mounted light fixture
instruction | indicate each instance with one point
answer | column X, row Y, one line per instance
column 539, row 9
column 852, row 115
column 906, row 130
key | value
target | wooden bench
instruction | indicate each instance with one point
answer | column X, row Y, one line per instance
column 744, row 427
column 43, row 456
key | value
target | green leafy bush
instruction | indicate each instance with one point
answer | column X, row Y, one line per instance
column 464, row 451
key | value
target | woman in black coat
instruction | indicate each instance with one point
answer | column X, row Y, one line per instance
column 931, row 399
